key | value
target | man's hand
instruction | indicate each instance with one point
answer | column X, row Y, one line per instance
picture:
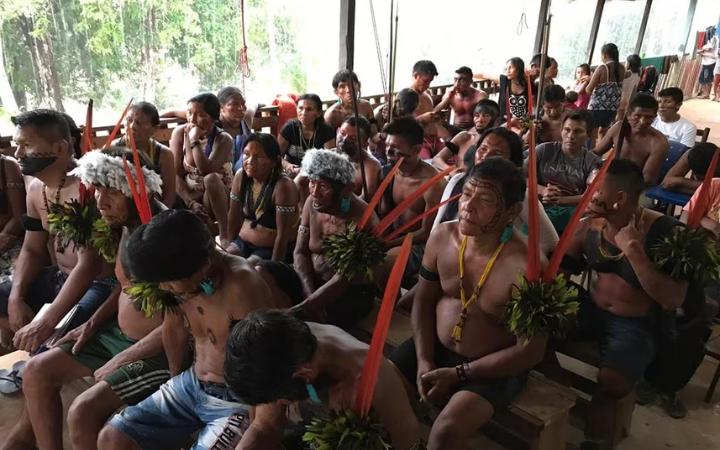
column 19, row 314
column 108, row 368
column 427, row 117
column 670, row 182
column 441, row 382
column 422, row 385
column 32, row 335
column 308, row 310
column 550, row 194
column 80, row 335
column 629, row 235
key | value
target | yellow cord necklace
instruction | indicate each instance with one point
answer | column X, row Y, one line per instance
column 458, row 329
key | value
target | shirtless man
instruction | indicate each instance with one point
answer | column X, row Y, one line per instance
column 213, row 289
column 627, row 293
column 118, row 345
column 462, row 98
column 695, row 162
column 273, row 356
column 70, row 275
column 471, row 373
column 203, row 162
column 423, row 73
column 404, row 139
column 642, row 144
column 332, row 205
column 336, row 114
column 550, row 126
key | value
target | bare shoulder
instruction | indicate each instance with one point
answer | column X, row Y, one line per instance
column 178, row 130
column 444, row 234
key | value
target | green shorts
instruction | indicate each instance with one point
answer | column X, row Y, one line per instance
column 559, row 216
column 132, row 382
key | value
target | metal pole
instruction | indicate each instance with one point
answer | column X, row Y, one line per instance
column 688, row 24
column 643, row 25
column 544, row 7
column 594, row 30
column 347, row 34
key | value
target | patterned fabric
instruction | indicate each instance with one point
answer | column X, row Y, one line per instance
column 606, row 97
column 518, row 105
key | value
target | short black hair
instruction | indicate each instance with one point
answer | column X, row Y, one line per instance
column 699, row 157
column 344, row 76
column 172, row 246
column 149, row 110
column 285, row 277
column 507, row 175
column 571, row 96
column 642, row 100
column 267, row 142
column 75, row 134
column 585, row 67
column 408, row 128
column 407, row 101
column 487, row 106
column 676, row 94
column 634, row 63
column 464, row 70
column 537, row 58
column 425, row 67
column 226, row 94
column 360, row 122
column 626, row 176
column 554, row 93
column 51, row 125
column 263, row 352
column 512, row 139
column 581, row 115
column 209, row 103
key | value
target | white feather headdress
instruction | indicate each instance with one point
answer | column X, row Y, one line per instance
column 98, row 168
column 328, row 164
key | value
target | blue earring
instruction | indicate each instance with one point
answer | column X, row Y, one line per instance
column 507, row 233
column 207, row 286
column 312, row 393
column 344, row 205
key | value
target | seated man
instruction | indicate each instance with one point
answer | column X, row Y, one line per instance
column 273, row 356
column 423, row 74
column 695, row 162
column 564, row 169
column 462, row 99
column 404, row 138
column 669, row 122
column 203, row 163
column 406, row 101
column 336, row 114
column 119, row 345
column 635, row 139
column 331, row 206
column 213, row 289
column 711, row 220
column 628, row 293
column 485, row 116
column 549, row 129
column 462, row 357
column 72, row 275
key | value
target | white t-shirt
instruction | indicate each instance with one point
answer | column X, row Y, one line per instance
column 709, row 57
column 682, row 130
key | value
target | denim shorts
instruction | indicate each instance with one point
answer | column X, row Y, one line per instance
column 46, row 286
column 627, row 344
column 182, row 406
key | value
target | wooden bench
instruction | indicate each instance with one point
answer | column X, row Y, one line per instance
column 586, row 352
column 537, row 419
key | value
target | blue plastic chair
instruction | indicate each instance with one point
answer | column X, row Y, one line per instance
column 665, row 197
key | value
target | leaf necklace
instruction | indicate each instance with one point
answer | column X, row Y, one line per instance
column 458, row 329
column 60, row 247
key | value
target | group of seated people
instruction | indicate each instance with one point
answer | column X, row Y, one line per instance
column 247, row 335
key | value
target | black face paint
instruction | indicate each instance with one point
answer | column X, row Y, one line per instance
column 30, row 165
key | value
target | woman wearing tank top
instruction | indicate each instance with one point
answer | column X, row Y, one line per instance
column 605, row 88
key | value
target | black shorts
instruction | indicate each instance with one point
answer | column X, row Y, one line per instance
column 499, row 392
column 352, row 306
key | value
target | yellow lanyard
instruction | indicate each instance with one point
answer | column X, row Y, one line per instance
column 457, row 330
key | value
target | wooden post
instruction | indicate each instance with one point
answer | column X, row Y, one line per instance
column 643, row 25
column 544, row 6
column 594, row 30
column 347, row 34
column 688, row 25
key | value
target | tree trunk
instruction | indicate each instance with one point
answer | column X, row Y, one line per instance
column 44, row 63
column 7, row 99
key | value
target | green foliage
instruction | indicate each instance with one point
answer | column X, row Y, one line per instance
column 72, row 222
column 353, row 252
column 688, row 254
column 540, row 308
column 346, row 430
column 105, row 240
column 149, row 298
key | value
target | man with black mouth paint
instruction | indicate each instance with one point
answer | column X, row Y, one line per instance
column 47, row 271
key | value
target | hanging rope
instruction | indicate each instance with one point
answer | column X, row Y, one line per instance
column 244, row 65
